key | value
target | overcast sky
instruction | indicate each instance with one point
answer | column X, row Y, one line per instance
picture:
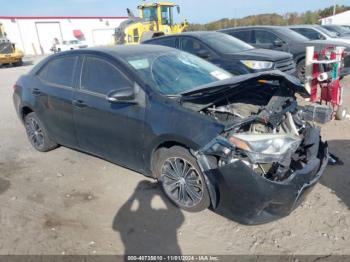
column 197, row 11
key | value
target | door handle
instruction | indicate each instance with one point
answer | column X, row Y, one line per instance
column 79, row 103
column 36, row 91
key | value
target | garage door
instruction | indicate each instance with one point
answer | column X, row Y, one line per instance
column 47, row 32
column 103, row 37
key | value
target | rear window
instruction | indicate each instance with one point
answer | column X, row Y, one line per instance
column 59, row 71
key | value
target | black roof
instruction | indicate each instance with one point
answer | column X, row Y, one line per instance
column 119, row 52
column 125, row 50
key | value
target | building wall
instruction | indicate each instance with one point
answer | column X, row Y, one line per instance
column 339, row 19
column 35, row 35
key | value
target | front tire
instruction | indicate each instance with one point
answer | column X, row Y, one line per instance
column 37, row 134
column 182, row 180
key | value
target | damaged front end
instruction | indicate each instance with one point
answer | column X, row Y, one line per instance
column 268, row 158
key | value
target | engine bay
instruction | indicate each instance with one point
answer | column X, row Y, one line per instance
column 266, row 131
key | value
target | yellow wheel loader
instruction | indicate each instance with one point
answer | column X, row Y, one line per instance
column 9, row 54
column 155, row 19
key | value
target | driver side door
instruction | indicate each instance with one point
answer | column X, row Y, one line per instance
column 111, row 130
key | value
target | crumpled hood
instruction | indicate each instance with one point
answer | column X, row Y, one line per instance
column 236, row 84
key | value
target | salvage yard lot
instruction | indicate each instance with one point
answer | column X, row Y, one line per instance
column 67, row 202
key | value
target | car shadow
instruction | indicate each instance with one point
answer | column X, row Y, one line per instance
column 4, row 185
column 337, row 177
column 145, row 230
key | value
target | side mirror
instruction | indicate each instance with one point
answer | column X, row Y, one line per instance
column 203, row 54
column 321, row 37
column 126, row 94
column 278, row 43
column 178, row 9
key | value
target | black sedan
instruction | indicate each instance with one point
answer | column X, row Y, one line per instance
column 228, row 52
column 232, row 143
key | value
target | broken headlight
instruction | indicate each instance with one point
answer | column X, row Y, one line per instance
column 266, row 148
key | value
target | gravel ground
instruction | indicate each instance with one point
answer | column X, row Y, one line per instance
column 67, row 202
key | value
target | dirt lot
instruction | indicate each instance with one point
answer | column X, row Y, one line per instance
column 67, row 202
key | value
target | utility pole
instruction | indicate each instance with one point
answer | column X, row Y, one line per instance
column 334, row 7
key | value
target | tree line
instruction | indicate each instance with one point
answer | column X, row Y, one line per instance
column 293, row 18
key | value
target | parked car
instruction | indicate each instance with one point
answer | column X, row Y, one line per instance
column 341, row 31
column 210, row 139
column 70, row 45
column 228, row 52
column 317, row 32
column 283, row 39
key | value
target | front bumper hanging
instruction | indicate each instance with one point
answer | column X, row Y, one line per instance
column 241, row 194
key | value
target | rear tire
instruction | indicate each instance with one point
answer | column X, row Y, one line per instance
column 37, row 134
column 181, row 179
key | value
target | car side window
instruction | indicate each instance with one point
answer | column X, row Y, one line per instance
column 193, row 46
column 242, row 35
column 99, row 76
column 309, row 33
column 265, row 37
column 168, row 41
column 59, row 71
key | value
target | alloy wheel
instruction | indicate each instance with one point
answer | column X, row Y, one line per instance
column 182, row 182
column 35, row 133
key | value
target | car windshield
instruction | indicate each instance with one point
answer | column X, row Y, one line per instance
column 175, row 72
column 226, row 44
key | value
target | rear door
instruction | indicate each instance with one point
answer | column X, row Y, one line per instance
column 54, row 89
column 112, row 130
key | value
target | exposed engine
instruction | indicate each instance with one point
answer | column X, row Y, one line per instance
column 266, row 132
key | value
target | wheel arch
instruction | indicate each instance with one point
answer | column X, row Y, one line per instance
column 214, row 194
column 24, row 111
column 300, row 58
column 164, row 142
